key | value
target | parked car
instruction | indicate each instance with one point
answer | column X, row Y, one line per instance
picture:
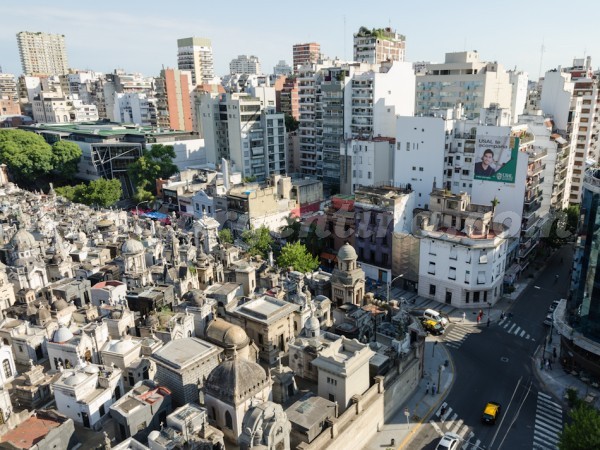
column 549, row 319
column 433, row 327
column 491, row 412
column 450, row 441
column 435, row 315
column 553, row 305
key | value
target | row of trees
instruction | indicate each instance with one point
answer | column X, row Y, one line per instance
column 259, row 242
column 33, row 162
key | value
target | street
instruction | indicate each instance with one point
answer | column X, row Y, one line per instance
column 496, row 363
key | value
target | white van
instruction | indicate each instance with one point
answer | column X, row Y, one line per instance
column 432, row 314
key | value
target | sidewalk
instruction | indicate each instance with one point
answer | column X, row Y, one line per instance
column 420, row 404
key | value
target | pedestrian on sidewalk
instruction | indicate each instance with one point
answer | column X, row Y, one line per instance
column 502, row 315
column 542, row 363
column 478, row 319
column 427, row 390
column 433, row 389
column 547, row 364
column 464, row 316
column 550, row 364
column 488, row 322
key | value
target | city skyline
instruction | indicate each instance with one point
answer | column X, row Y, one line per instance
column 106, row 40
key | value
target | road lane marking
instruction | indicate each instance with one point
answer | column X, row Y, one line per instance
column 513, row 325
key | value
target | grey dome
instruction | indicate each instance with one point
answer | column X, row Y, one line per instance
column 312, row 324
column 60, row 304
column 236, row 380
column 62, row 335
column 23, row 240
column 74, row 379
column 347, row 252
column 132, row 247
column 43, row 313
column 227, row 334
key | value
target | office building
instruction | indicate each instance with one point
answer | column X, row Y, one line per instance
column 305, row 54
column 378, row 45
column 578, row 321
column 282, row 68
column 42, row 53
column 195, row 55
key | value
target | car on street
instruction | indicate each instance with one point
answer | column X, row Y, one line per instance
column 433, row 327
column 553, row 305
column 491, row 412
column 450, row 441
column 549, row 319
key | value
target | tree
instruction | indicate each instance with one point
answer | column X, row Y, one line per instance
column 297, row 256
column 155, row 163
column 65, row 157
column 259, row 241
column 26, row 154
column 583, row 432
column 291, row 124
column 572, row 218
column 143, row 196
column 225, row 236
column 291, row 231
column 100, row 192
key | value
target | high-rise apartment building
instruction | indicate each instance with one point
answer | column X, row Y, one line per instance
column 463, row 78
column 173, row 104
column 340, row 101
column 378, row 45
column 42, row 53
column 282, row 68
column 558, row 99
column 245, row 130
column 245, row 64
column 195, row 54
column 304, row 54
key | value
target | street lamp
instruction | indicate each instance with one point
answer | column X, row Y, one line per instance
column 390, row 285
column 137, row 211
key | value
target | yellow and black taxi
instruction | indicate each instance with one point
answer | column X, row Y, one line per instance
column 491, row 412
column 432, row 326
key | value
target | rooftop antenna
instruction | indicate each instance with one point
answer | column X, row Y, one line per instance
column 542, row 50
column 344, row 38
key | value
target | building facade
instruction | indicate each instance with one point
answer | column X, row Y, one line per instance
column 42, row 53
column 305, row 54
column 378, row 45
column 195, row 54
column 245, row 64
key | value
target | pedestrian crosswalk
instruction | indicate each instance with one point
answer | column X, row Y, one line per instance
column 447, row 421
column 455, row 335
column 548, row 423
column 512, row 328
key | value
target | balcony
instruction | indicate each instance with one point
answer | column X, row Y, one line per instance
column 536, row 169
column 530, row 209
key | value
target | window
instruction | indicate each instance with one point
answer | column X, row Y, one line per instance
column 228, row 420
column 431, row 270
column 467, row 277
column 483, row 259
column 431, row 248
column 452, row 273
column 476, row 297
column 6, row 368
column 432, row 289
column 481, row 277
column 467, row 297
column 453, row 251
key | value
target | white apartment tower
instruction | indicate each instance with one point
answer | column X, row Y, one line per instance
column 558, row 99
column 242, row 129
column 195, row 55
column 42, row 53
column 463, row 78
column 245, row 64
column 378, row 45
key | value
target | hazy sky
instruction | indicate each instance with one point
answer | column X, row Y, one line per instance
column 141, row 35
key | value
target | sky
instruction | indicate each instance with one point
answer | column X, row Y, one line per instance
column 141, row 35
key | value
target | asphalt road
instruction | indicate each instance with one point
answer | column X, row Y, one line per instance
column 495, row 363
